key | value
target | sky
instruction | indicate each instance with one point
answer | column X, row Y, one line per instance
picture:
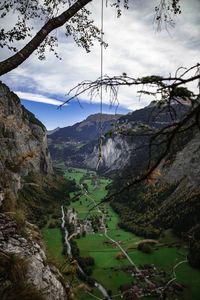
column 135, row 47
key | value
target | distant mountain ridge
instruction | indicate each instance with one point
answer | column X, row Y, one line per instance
column 71, row 144
column 169, row 199
column 88, row 129
column 78, row 145
column 49, row 132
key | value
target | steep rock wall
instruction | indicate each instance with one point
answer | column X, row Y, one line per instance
column 23, row 142
column 23, row 151
column 113, row 155
column 169, row 199
column 186, row 165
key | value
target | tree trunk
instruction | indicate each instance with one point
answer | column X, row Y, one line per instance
column 18, row 58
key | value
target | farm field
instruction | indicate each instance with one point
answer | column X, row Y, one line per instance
column 107, row 266
column 97, row 246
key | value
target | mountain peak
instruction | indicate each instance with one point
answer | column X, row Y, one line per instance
column 49, row 132
column 104, row 117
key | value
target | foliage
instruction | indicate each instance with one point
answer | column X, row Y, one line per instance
column 9, row 203
column 145, row 247
column 163, row 12
column 80, row 26
column 194, row 246
column 183, row 93
column 41, row 196
column 148, row 212
column 13, row 266
column 71, row 14
column 20, row 219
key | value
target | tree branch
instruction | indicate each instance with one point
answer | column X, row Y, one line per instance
column 18, row 58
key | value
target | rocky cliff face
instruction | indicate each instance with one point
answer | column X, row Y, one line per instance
column 73, row 145
column 24, row 269
column 183, row 174
column 79, row 145
column 25, row 257
column 23, row 142
column 128, row 147
column 167, row 200
column 114, row 155
column 185, row 168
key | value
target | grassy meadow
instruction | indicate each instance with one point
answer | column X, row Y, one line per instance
column 107, row 266
column 53, row 240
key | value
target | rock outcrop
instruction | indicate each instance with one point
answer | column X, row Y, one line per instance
column 169, row 199
column 79, row 145
column 185, row 168
column 38, row 274
column 75, row 145
column 23, row 142
column 23, row 153
column 114, row 155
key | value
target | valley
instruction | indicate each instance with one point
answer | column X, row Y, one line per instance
column 111, row 268
column 99, row 150
column 125, row 248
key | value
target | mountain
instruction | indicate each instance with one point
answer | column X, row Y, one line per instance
column 49, row 132
column 79, row 145
column 85, row 131
column 129, row 142
column 169, row 199
column 23, row 142
column 72, row 144
column 27, row 187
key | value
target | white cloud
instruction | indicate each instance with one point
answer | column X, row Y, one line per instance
column 134, row 47
column 38, row 98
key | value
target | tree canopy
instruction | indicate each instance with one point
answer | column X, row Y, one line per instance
column 52, row 14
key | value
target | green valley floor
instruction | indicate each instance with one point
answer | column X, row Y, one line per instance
column 109, row 263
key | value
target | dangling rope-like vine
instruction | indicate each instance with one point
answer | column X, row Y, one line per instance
column 101, row 86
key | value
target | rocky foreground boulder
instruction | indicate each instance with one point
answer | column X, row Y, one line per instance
column 23, row 262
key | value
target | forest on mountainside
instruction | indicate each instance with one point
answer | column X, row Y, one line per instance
column 159, row 203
